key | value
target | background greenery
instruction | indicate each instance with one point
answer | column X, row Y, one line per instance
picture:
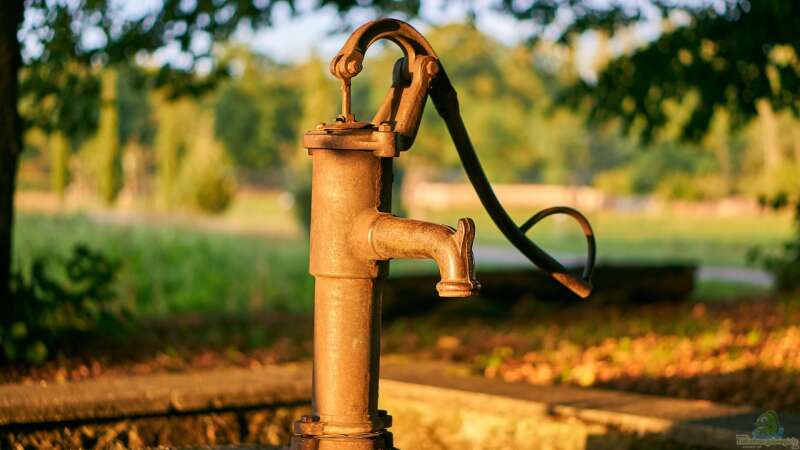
column 173, row 268
column 247, row 127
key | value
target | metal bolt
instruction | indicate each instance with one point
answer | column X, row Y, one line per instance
column 308, row 426
column 354, row 67
column 352, row 64
column 432, row 67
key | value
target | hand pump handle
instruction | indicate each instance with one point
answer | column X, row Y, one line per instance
column 445, row 99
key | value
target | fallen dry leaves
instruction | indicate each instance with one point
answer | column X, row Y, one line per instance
column 735, row 353
column 741, row 353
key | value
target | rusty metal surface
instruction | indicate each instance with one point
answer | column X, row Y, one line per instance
column 353, row 235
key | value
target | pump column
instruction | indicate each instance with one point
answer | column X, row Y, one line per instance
column 347, row 305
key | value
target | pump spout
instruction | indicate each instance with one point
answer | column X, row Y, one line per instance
column 382, row 236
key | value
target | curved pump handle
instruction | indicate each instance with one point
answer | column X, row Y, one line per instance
column 401, row 110
column 348, row 62
column 445, row 99
column 418, row 75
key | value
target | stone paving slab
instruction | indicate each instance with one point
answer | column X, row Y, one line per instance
column 159, row 394
column 695, row 422
column 441, row 385
column 565, row 400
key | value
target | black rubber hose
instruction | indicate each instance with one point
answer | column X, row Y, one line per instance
column 445, row 99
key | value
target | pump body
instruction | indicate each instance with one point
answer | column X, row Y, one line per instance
column 354, row 236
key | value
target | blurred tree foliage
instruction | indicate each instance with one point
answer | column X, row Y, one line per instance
column 254, row 112
column 510, row 98
column 136, row 116
column 192, row 167
column 736, row 54
column 720, row 74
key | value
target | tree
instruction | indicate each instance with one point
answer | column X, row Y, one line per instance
column 105, row 157
column 255, row 113
column 170, row 143
column 500, row 92
column 742, row 56
column 733, row 60
column 59, row 148
column 57, row 32
column 11, row 13
column 206, row 178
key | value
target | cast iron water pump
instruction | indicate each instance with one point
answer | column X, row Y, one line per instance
column 354, row 235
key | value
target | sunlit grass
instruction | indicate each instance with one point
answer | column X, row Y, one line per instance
column 255, row 256
column 170, row 269
column 267, row 212
column 713, row 290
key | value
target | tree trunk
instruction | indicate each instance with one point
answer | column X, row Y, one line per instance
column 106, row 153
column 769, row 136
column 10, row 132
column 59, row 163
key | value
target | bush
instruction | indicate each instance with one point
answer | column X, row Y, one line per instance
column 784, row 265
column 615, row 181
column 207, row 180
column 54, row 302
column 691, row 187
column 301, row 194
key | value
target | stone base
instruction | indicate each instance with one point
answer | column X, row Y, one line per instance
column 436, row 406
column 260, row 428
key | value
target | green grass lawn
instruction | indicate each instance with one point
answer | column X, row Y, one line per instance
column 257, row 258
column 171, row 269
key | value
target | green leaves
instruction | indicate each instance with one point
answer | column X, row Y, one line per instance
column 65, row 41
column 730, row 58
column 56, row 300
column 784, row 264
column 256, row 114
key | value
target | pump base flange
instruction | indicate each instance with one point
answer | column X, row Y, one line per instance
column 373, row 441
